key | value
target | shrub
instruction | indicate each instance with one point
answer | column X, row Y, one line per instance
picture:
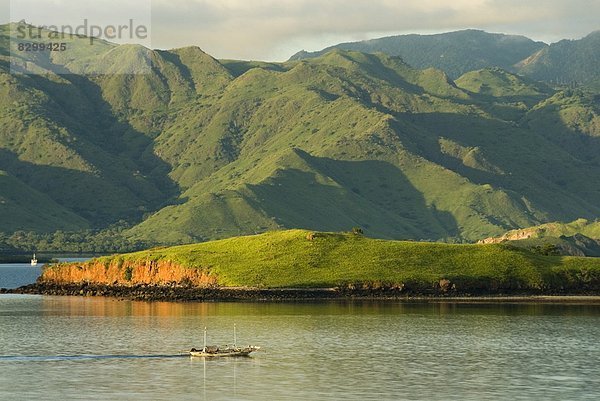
column 128, row 273
column 547, row 250
column 186, row 282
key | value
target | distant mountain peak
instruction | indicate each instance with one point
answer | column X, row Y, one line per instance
column 454, row 52
column 459, row 52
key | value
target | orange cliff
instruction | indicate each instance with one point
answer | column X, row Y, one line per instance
column 126, row 273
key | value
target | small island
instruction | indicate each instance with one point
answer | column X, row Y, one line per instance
column 301, row 264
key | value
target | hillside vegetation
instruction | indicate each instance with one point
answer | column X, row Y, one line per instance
column 299, row 258
column 557, row 229
column 567, row 62
column 195, row 149
column 456, row 53
column 578, row 238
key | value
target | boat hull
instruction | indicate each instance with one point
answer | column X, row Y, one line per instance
column 224, row 353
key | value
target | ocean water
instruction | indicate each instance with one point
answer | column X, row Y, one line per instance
column 14, row 275
column 75, row 348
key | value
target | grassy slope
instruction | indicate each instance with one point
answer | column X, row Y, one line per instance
column 61, row 137
column 577, row 245
column 556, row 229
column 566, row 62
column 289, row 259
column 455, row 52
column 343, row 140
column 579, row 238
column 501, row 84
column 401, row 152
column 24, row 208
column 91, row 135
column 50, row 143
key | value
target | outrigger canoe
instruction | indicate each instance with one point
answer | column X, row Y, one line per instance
column 215, row 352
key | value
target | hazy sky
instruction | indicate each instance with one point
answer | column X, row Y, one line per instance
column 275, row 29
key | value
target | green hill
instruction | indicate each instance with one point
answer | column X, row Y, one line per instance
column 298, row 258
column 578, row 238
column 574, row 245
column 26, row 209
column 498, row 83
column 455, row 52
column 568, row 62
column 193, row 148
column 565, row 63
column 318, row 151
column 556, row 229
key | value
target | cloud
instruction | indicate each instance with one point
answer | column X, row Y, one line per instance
column 275, row 29
column 72, row 14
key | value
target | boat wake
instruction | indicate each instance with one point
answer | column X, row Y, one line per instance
column 53, row 358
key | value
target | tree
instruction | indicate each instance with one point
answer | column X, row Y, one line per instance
column 357, row 231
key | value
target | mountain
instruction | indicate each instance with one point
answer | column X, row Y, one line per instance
column 24, row 208
column 498, row 83
column 555, row 229
column 86, row 141
column 568, row 62
column 190, row 148
column 578, row 238
column 350, row 139
column 455, row 53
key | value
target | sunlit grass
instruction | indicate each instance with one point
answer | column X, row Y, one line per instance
column 294, row 259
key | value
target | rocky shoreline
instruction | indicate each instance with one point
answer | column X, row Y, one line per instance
column 145, row 292
column 198, row 294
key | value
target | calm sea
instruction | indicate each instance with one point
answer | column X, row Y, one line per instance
column 70, row 348
column 14, row 275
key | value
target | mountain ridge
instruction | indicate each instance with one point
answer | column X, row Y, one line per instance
column 454, row 52
column 196, row 148
column 459, row 52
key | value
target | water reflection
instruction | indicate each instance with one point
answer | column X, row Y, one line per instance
column 58, row 348
column 97, row 306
